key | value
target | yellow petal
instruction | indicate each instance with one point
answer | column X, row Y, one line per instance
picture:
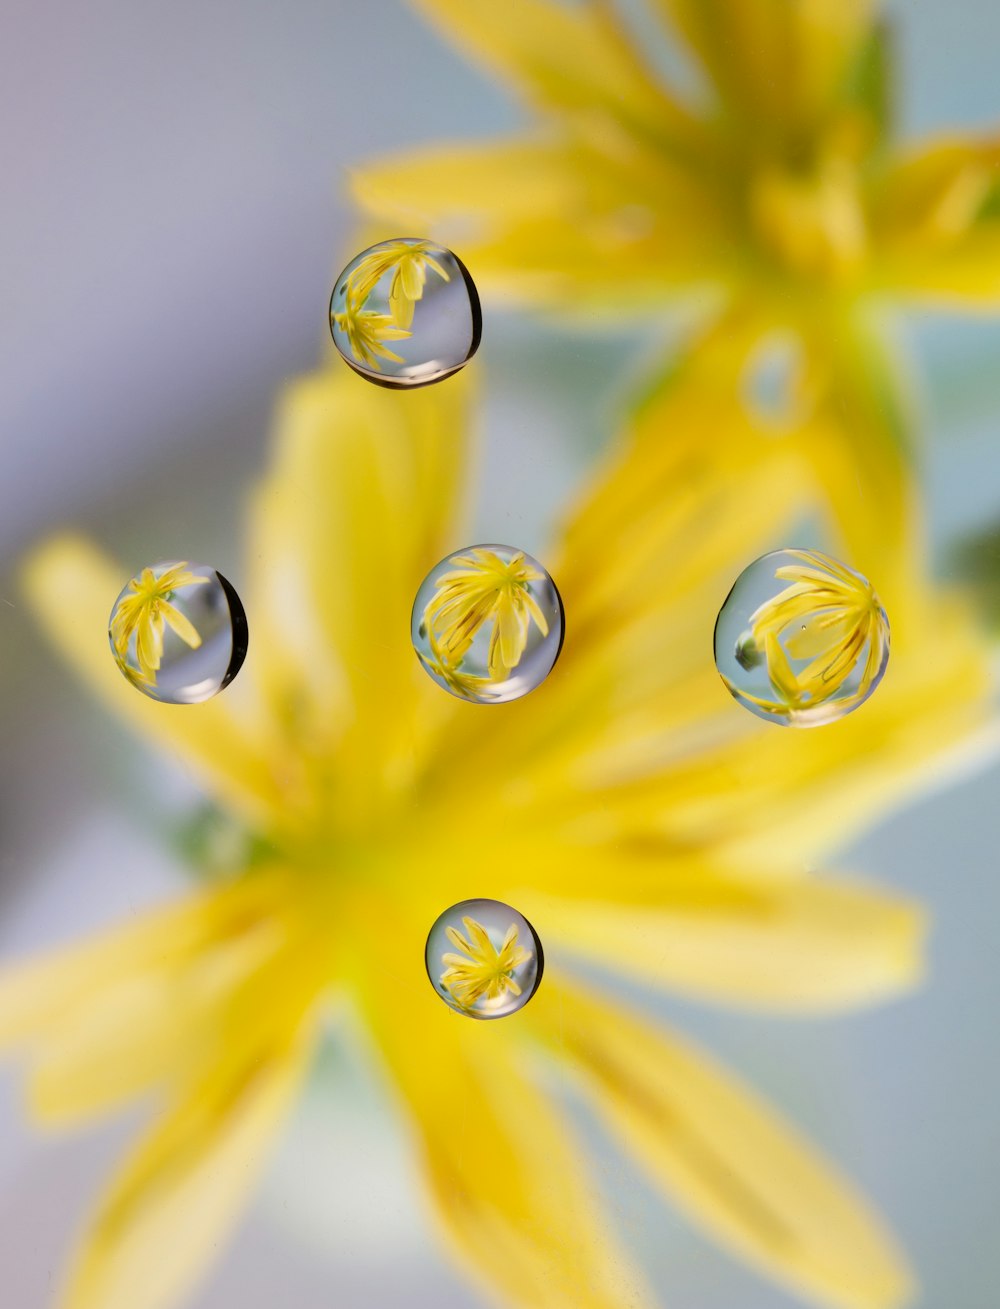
column 571, row 58
column 770, row 59
column 804, row 945
column 536, row 218
column 358, row 507
column 934, row 223
column 506, row 1177
column 724, row 1156
column 42, row 993
column 411, row 279
column 177, row 1197
column 509, row 634
column 149, row 643
column 181, row 624
column 155, row 1026
column 820, row 634
column 933, row 191
column 401, row 307
column 68, row 576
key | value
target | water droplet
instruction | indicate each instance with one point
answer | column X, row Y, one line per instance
column 801, row 640
column 487, row 623
column 405, row 313
column 484, row 959
column 178, row 632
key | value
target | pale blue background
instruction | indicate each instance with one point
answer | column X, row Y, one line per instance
column 174, row 183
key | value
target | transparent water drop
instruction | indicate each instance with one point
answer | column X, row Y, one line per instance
column 487, row 623
column 484, row 959
column 801, row 640
column 405, row 313
column 178, row 632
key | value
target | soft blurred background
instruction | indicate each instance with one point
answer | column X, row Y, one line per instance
column 175, row 209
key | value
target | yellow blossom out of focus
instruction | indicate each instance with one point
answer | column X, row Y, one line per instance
column 645, row 825
column 764, row 189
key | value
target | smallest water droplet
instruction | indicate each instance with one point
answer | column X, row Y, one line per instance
column 801, row 639
column 178, row 632
column 484, row 959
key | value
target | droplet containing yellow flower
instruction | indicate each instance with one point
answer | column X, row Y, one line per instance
column 801, row 640
column 484, row 959
column 178, row 632
column 487, row 623
column 405, row 313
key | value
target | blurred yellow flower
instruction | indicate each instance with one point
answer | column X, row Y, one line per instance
column 408, row 262
column 642, row 823
column 486, row 590
column 481, row 969
column 766, row 184
column 144, row 613
column 828, row 614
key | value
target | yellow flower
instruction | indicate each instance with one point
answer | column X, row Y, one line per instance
column 830, row 615
column 486, row 590
column 410, row 261
column 770, row 193
column 367, row 332
column 144, row 613
column 481, row 969
column 641, row 822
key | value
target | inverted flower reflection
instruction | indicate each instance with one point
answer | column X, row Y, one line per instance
column 408, row 262
column 808, row 652
column 628, row 813
column 415, row 295
column 143, row 612
column 484, row 588
column 487, row 624
column 484, row 959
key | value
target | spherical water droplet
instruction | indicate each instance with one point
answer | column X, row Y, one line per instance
column 484, row 959
column 178, row 632
column 801, row 640
column 487, row 623
column 405, row 313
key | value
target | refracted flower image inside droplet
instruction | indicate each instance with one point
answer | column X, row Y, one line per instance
column 487, row 623
column 801, row 640
column 484, row 959
column 178, row 632
column 405, row 313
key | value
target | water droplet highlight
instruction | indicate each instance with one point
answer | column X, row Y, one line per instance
column 405, row 313
column 801, row 640
column 178, row 632
column 487, row 623
column 484, row 959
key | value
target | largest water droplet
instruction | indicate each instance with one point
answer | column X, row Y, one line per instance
column 801, row 639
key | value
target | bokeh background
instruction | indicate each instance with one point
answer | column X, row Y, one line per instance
column 175, row 208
